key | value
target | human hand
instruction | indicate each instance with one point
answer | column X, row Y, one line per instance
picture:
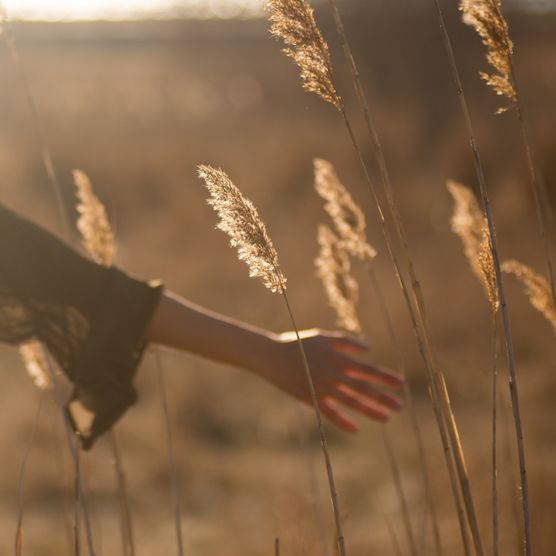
column 339, row 378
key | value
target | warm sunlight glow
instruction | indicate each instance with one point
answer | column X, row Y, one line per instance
column 129, row 9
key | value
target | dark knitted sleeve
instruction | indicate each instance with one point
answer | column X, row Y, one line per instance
column 91, row 318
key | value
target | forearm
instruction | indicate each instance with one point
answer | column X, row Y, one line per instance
column 183, row 325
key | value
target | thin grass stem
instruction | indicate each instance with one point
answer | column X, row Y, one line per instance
column 453, row 479
column 495, row 520
column 395, row 345
column 21, row 480
column 74, row 451
column 400, row 492
column 393, row 536
column 44, row 148
column 323, row 440
column 170, row 447
column 126, row 524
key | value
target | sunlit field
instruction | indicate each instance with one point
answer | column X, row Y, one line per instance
column 137, row 104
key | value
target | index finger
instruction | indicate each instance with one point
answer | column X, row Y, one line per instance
column 349, row 344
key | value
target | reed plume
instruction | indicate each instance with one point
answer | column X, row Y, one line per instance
column 347, row 216
column 240, row 220
column 537, row 289
column 33, row 356
column 485, row 16
column 334, row 270
column 469, row 223
column 293, row 22
column 93, row 224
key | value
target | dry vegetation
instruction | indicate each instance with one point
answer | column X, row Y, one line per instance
column 138, row 106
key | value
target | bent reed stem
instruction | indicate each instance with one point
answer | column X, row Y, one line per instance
column 495, row 524
column 19, row 529
column 417, row 432
column 513, row 385
column 170, row 447
column 126, row 524
column 323, row 440
column 415, row 304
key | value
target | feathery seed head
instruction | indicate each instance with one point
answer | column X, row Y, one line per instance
column 240, row 220
column 293, row 21
column 537, row 289
column 469, row 223
column 485, row 16
column 93, row 223
column 334, row 270
column 36, row 364
column 347, row 216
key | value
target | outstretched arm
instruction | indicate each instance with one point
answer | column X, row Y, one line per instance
column 339, row 377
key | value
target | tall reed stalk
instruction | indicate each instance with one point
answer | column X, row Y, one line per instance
column 513, row 382
column 417, row 433
column 293, row 22
column 73, row 444
column 170, row 448
column 241, row 221
column 20, row 483
column 468, row 222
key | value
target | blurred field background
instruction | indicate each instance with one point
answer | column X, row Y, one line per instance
column 137, row 105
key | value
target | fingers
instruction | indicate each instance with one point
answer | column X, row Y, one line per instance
column 337, row 417
column 372, row 373
column 362, row 405
column 348, row 344
column 363, row 388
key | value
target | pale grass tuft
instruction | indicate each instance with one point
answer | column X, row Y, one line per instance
column 293, row 21
column 334, row 270
column 469, row 223
column 485, row 16
column 34, row 358
column 537, row 289
column 93, row 223
column 240, row 220
column 347, row 216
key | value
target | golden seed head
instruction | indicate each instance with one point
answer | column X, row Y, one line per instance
column 293, row 21
column 93, row 223
column 240, row 220
column 537, row 289
column 469, row 223
column 34, row 359
column 334, row 270
column 485, row 16
column 347, row 216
